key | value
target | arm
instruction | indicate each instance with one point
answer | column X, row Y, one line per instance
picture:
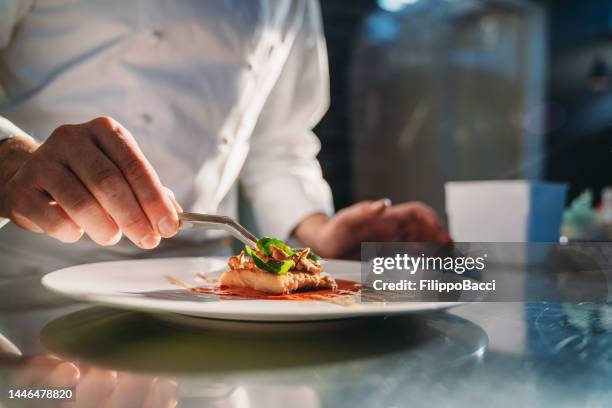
column 282, row 178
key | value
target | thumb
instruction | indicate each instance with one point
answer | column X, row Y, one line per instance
column 172, row 198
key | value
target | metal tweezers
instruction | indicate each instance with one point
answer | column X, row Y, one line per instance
column 218, row 222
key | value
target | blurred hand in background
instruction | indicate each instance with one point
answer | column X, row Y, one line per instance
column 341, row 236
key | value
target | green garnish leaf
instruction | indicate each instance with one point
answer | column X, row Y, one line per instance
column 281, row 267
column 264, row 246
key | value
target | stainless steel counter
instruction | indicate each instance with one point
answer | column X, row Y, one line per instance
column 489, row 354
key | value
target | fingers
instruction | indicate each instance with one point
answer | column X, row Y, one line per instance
column 39, row 209
column 418, row 223
column 380, row 229
column 95, row 386
column 162, row 394
column 170, row 194
column 378, row 221
column 64, row 375
column 80, row 205
column 121, row 147
column 130, row 392
column 107, row 184
column 353, row 225
column 26, row 224
column 356, row 223
column 362, row 212
column 48, row 371
column 91, row 177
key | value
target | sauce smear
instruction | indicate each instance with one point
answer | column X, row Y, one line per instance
column 345, row 291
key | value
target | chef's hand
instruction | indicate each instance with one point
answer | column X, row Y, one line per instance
column 417, row 222
column 340, row 236
column 94, row 387
column 92, row 178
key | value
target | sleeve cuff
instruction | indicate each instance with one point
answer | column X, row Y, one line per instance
column 280, row 206
column 9, row 129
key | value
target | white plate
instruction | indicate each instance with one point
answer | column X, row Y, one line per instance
column 118, row 284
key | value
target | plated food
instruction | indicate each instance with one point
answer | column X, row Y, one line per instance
column 147, row 287
column 276, row 268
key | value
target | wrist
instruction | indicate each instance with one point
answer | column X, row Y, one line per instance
column 309, row 229
column 14, row 152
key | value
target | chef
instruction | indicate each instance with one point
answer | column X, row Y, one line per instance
column 113, row 112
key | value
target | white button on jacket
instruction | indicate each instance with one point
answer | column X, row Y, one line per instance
column 216, row 93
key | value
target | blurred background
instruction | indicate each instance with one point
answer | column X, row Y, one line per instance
column 430, row 91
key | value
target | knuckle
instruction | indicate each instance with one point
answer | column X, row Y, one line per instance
column 135, row 169
column 106, row 179
column 63, row 130
column 81, row 203
column 137, row 223
column 66, row 136
column 105, row 122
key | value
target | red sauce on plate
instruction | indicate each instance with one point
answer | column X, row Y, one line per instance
column 345, row 289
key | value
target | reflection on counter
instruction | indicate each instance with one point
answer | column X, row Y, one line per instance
column 225, row 362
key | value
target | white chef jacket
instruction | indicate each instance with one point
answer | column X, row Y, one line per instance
column 215, row 92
